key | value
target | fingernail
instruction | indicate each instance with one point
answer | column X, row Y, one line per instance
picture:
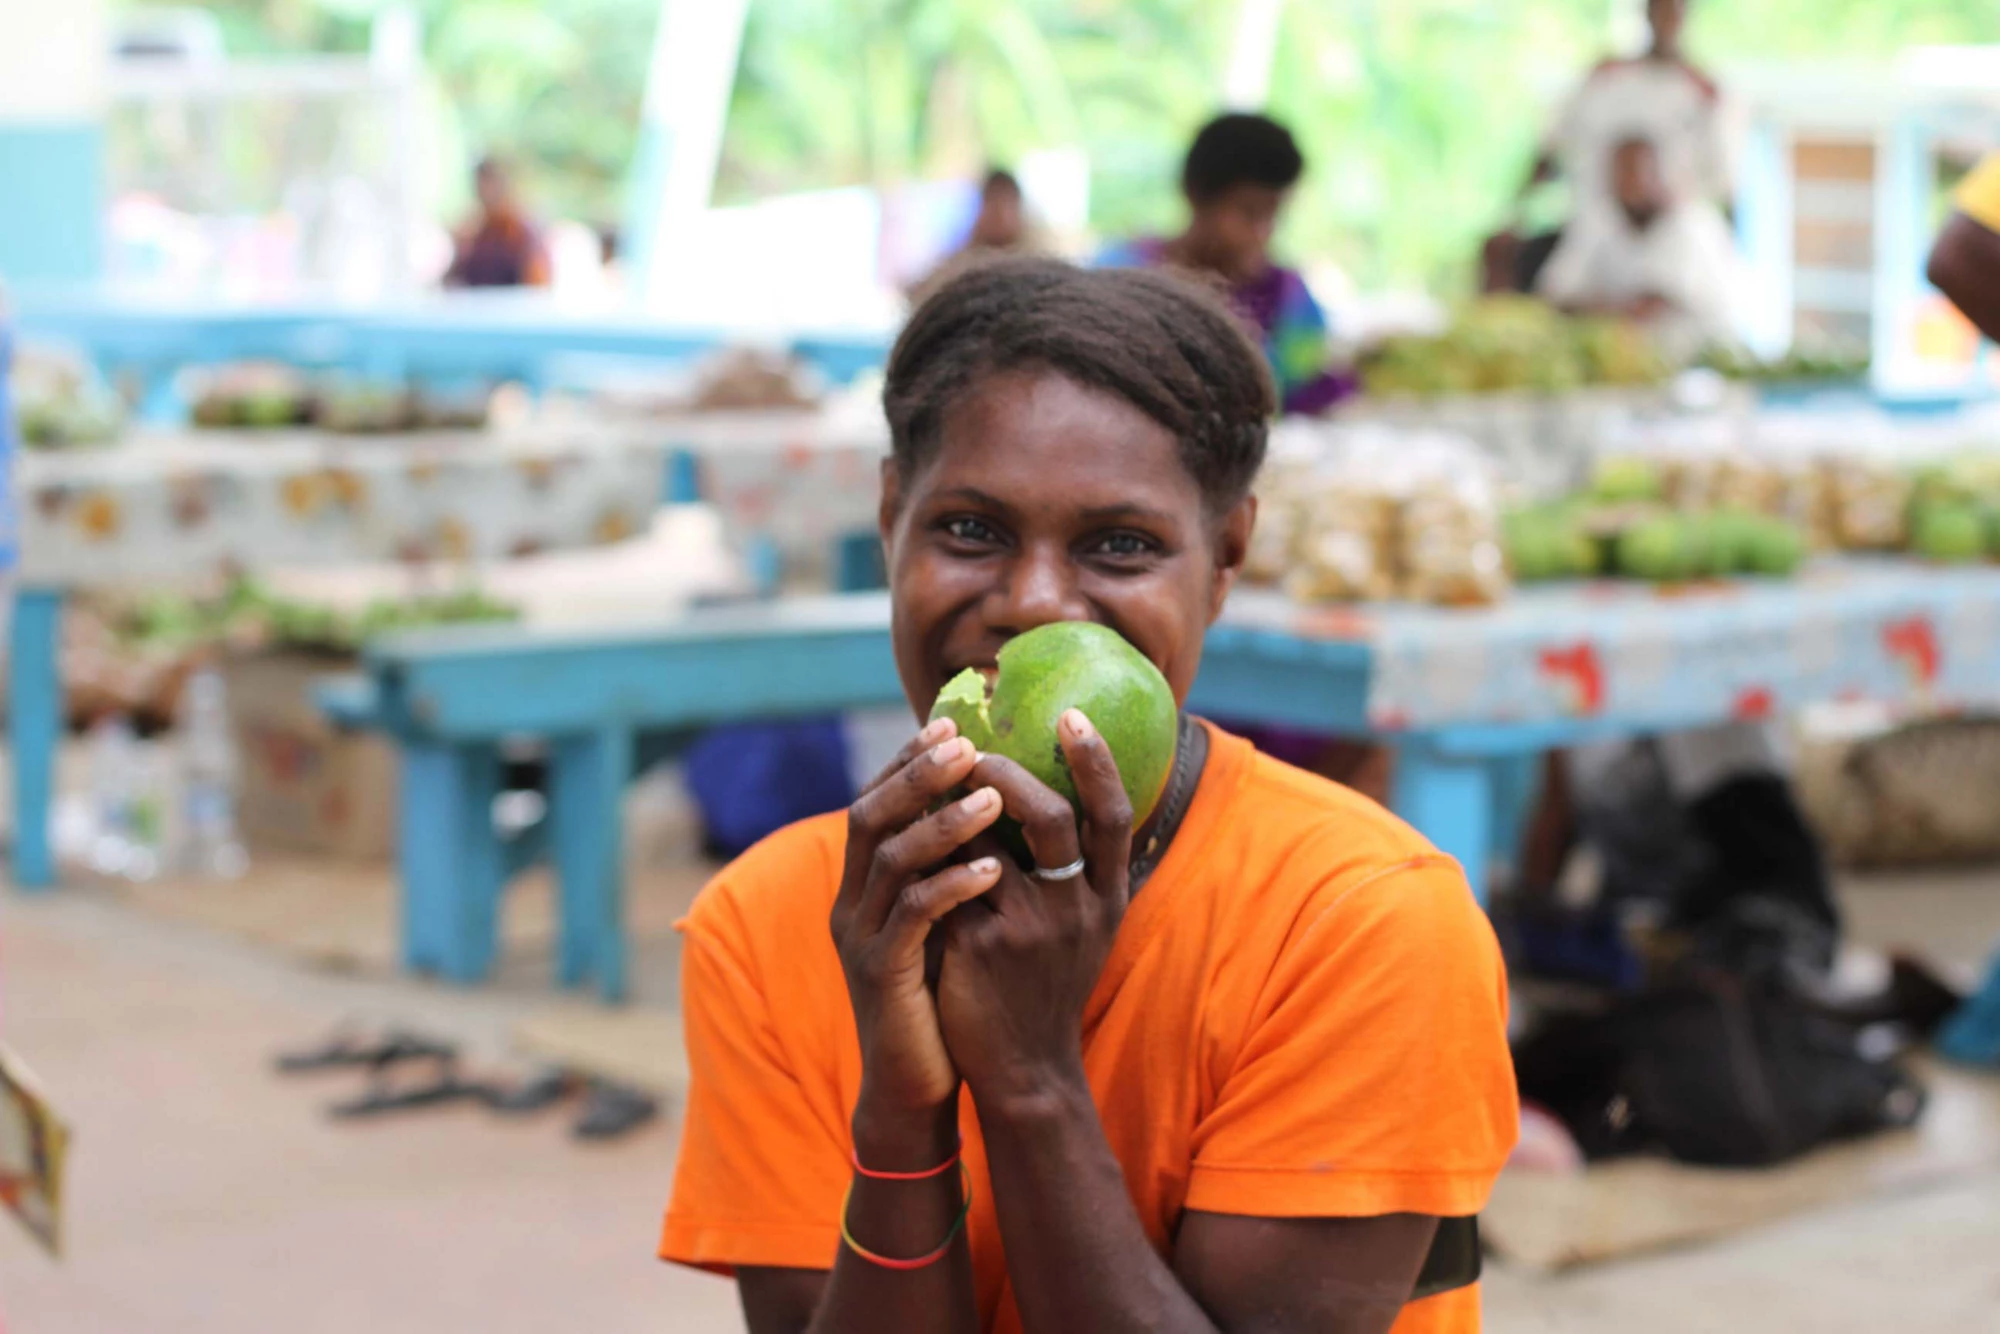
column 937, row 729
column 983, row 866
column 944, row 752
column 1078, row 725
column 980, row 802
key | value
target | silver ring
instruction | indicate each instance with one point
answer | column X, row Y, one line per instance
column 1075, row 868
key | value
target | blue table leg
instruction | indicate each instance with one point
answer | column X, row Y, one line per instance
column 1449, row 798
column 587, row 778
column 34, row 717
column 1517, row 782
column 765, row 565
column 160, row 401
column 857, row 562
column 451, row 859
column 683, row 477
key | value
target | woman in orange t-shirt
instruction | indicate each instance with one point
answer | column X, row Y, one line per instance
column 1242, row 1068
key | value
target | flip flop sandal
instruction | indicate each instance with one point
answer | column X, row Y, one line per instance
column 536, row 1093
column 611, row 1110
column 445, row 1087
column 346, row 1050
column 344, row 1047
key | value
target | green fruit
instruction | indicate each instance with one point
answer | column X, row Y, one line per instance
column 267, row 410
column 1070, row 665
column 1953, row 533
column 1580, row 555
column 1774, row 547
column 1626, row 479
column 1529, row 554
column 1655, row 549
column 1705, row 551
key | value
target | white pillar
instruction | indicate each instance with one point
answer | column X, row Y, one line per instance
column 54, row 56
column 695, row 50
column 1246, row 83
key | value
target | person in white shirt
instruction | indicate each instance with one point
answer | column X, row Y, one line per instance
column 1658, row 95
column 1651, row 256
column 1661, row 96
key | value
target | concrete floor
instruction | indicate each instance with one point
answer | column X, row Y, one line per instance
column 211, row 1196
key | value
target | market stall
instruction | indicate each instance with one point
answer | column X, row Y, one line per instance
column 157, row 509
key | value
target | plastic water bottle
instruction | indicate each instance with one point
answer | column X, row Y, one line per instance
column 126, row 843
column 208, row 781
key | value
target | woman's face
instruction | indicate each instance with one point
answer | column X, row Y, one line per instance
column 1047, row 501
column 1232, row 232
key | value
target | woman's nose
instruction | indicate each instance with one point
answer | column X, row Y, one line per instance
column 1040, row 588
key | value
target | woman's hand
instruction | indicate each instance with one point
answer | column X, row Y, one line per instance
column 894, row 888
column 1019, row 967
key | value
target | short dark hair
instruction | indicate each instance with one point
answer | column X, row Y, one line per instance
column 1240, row 148
column 999, row 178
column 1164, row 344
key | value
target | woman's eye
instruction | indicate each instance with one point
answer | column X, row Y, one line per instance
column 966, row 529
column 1125, row 545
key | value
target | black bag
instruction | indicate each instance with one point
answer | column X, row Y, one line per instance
column 1712, row 1069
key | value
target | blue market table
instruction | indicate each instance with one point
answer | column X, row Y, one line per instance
column 491, row 335
column 1466, row 697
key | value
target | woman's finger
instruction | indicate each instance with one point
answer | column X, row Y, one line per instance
column 894, row 803
column 920, row 905
column 938, row 729
column 1046, row 819
column 902, row 857
column 1107, row 810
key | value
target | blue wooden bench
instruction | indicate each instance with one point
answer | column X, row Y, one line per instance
column 450, row 698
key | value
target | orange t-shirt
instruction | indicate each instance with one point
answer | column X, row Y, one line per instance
column 1303, row 1015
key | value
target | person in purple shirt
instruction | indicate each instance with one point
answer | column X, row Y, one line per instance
column 500, row 246
column 1239, row 172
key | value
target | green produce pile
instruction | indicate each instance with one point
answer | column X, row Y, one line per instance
column 1799, row 366
column 59, row 405
column 1577, row 541
column 1668, row 521
column 256, row 396
column 1515, row 343
column 1624, row 527
column 1954, row 510
column 249, row 614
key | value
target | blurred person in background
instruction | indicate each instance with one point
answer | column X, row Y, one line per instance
column 1002, row 222
column 1660, row 96
column 500, row 246
column 999, row 229
column 1965, row 266
column 1239, row 173
column 1654, row 257
column 1705, row 823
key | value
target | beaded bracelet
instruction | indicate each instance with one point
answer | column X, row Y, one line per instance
column 926, row 1175
column 922, row 1261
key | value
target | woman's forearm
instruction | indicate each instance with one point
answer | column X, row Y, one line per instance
column 902, row 1220
column 1076, row 1252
